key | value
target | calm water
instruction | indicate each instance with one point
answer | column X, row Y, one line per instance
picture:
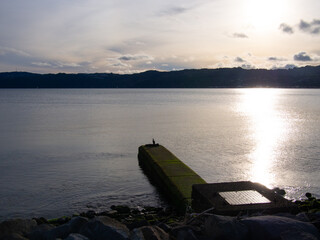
column 66, row 151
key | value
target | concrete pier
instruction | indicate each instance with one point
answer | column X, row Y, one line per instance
column 167, row 171
column 186, row 188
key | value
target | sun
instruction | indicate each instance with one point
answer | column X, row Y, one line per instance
column 264, row 14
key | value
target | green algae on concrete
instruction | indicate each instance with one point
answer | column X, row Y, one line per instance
column 169, row 173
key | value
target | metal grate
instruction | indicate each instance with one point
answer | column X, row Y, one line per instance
column 244, row 197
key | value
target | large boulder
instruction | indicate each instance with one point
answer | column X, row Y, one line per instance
column 40, row 231
column 224, row 227
column 62, row 231
column 277, row 227
column 149, row 233
column 16, row 228
column 76, row 236
column 103, row 227
column 184, row 232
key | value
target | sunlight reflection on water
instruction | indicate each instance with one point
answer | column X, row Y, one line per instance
column 268, row 129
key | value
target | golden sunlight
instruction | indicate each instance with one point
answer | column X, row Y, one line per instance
column 263, row 14
column 268, row 130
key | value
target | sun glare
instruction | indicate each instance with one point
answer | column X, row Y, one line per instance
column 267, row 129
column 263, row 14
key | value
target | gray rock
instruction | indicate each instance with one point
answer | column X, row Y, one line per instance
column 149, row 233
column 41, row 220
column 38, row 233
column 186, row 235
column 103, row 227
column 296, row 235
column 16, row 227
column 165, row 227
column 183, row 233
column 303, row 216
column 121, row 208
column 77, row 223
column 224, row 227
column 90, row 214
column 76, row 236
column 62, row 231
column 137, row 224
column 275, row 227
column 13, row 236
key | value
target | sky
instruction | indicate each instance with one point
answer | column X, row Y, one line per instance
column 129, row 36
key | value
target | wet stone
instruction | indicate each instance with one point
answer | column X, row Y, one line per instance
column 149, row 233
column 105, row 228
column 41, row 220
column 16, row 227
column 121, row 209
column 76, row 236
column 165, row 227
column 137, row 224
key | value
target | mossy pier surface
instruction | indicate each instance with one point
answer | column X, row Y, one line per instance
column 169, row 173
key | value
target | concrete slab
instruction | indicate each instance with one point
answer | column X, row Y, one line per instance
column 170, row 174
column 234, row 197
column 176, row 169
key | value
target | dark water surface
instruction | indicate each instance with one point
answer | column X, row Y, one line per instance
column 65, row 151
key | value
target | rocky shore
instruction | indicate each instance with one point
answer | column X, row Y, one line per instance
column 122, row 222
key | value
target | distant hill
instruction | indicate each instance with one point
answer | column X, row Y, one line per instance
column 304, row 77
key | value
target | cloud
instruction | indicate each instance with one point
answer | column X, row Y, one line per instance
column 304, row 25
column 42, row 64
column 273, row 59
column 69, row 64
column 302, row 56
column 127, row 58
column 171, row 11
column 59, row 64
column 189, row 59
column 136, row 57
column 276, row 59
column 239, row 35
column 13, row 51
column 121, row 65
column 289, row 66
column 247, row 66
column 239, row 59
column 243, row 63
column 286, row 28
column 312, row 27
column 23, row 60
column 129, row 63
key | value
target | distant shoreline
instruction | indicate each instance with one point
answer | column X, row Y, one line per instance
column 304, row 77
